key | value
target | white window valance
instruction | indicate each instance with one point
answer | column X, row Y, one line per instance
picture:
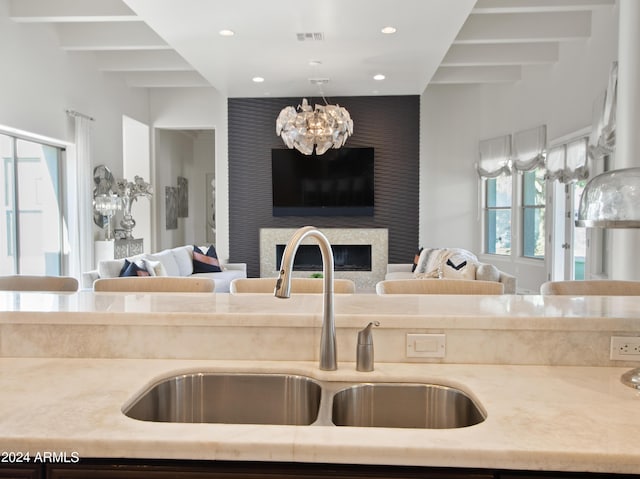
column 495, row 157
column 567, row 163
column 555, row 163
column 602, row 140
column 576, row 163
column 529, row 148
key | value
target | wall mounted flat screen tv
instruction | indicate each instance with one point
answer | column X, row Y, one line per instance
column 336, row 183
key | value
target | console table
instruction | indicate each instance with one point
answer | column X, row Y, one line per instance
column 116, row 249
column 125, row 248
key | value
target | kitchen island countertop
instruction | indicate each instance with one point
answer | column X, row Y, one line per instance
column 538, row 417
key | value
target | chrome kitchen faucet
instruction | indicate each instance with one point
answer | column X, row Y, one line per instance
column 328, row 356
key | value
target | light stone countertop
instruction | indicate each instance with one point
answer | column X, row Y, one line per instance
column 538, row 417
column 69, row 362
column 591, row 313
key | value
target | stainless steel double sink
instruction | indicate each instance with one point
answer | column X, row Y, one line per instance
column 290, row 399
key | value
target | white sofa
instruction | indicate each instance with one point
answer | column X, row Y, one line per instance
column 480, row 271
column 175, row 262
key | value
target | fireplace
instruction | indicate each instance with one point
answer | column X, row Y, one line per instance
column 346, row 257
column 360, row 254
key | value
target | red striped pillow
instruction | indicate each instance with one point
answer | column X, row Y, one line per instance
column 206, row 262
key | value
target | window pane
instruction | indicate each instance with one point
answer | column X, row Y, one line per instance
column 7, row 239
column 579, row 235
column 533, row 232
column 534, row 188
column 499, row 191
column 38, row 208
column 498, row 230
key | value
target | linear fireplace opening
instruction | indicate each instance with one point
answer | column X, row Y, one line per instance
column 349, row 257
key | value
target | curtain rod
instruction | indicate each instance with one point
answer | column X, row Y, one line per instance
column 82, row 115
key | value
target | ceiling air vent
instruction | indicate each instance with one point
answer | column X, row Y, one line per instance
column 314, row 36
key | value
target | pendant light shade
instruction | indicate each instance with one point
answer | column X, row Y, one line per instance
column 611, row 200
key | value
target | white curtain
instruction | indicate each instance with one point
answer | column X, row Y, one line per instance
column 495, row 157
column 529, row 148
column 567, row 163
column 576, row 163
column 80, row 207
column 602, row 140
column 555, row 163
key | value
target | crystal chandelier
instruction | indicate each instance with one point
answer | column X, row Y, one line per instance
column 325, row 126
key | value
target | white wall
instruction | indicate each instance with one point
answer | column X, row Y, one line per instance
column 454, row 118
column 200, row 108
column 40, row 81
column 203, row 163
column 136, row 161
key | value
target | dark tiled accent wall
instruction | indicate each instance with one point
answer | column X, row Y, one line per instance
column 390, row 124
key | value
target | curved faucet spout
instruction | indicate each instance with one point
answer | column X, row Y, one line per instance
column 328, row 354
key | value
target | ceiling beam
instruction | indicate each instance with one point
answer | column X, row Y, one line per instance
column 109, row 36
column 525, row 27
column 37, row 11
column 536, row 6
column 488, row 74
column 141, row 60
column 501, row 54
column 165, row 79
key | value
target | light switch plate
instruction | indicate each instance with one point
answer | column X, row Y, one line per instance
column 425, row 345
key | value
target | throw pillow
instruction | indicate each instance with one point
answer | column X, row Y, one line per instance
column 487, row 272
column 416, row 258
column 168, row 260
column 155, row 268
column 205, row 262
column 182, row 255
column 459, row 266
column 132, row 269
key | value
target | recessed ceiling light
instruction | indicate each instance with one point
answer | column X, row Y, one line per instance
column 379, row 77
column 314, row 63
column 388, row 30
column 258, row 79
column 227, row 33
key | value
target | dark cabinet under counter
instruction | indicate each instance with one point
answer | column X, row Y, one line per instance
column 194, row 469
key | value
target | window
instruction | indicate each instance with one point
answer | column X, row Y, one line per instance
column 31, row 208
column 568, row 171
column 533, row 213
column 512, row 168
column 498, row 200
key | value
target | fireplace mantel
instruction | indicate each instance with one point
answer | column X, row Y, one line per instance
column 364, row 280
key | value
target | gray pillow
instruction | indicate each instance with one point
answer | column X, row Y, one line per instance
column 168, row 260
column 487, row 272
column 184, row 260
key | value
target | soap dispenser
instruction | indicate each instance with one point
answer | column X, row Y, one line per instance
column 364, row 355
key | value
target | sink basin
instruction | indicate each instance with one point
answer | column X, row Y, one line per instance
column 405, row 405
column 229, row 398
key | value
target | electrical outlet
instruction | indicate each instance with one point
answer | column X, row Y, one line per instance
column 625, row 348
